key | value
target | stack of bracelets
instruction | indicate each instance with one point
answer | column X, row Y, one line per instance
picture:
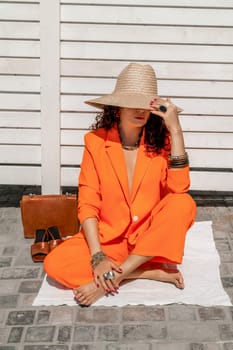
column 97, row 258
column 178, row 161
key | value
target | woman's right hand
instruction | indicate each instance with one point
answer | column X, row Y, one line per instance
column 105, row 266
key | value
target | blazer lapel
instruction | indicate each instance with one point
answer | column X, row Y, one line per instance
column 142, row 164
column 116, row 156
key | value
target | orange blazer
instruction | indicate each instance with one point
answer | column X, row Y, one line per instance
column 103, row 185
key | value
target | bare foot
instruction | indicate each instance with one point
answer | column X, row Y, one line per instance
column 88, row 294
column 171, row 277
column 160, row 272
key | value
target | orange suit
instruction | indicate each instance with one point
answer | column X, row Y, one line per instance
column 152, row 220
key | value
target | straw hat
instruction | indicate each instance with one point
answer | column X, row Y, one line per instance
column 136, row 86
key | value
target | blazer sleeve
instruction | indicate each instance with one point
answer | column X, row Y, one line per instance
column 89, row 198
column 174, row 180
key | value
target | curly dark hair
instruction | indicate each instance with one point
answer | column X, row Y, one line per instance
column 156, row 134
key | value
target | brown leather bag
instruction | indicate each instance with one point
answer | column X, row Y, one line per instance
column 43, row 211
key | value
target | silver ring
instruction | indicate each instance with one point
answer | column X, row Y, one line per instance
column 110, row 275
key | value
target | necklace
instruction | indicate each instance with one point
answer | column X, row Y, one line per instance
column 133, row 147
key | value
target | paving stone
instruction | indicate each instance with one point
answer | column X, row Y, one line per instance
column 26, row 300
column 200, row 332
column 85, row 347
column 5, row 261
column 226, row 331
column 20, row 272
column 21, row 317
column 227, row 282
column 11, row 250
column 43, row 316
column 64, row 334
column 15, row 335
column 182, row 313
column 102, row 314
column 206, row 346
column 8, row 286
column 3, row 335
column 31, row 286
column 226, row 269
column 8, row 301
column 170, row 346
column 228, row 346
column 226, row 256
column 118, row 346
column 222, row 245
column 62, row 315
column 24, row 257
column 109, row 333
column 143, row 313
column 144, row 331
column 40, row 334
column 46, row 347
column 211, row 313
column 84, row 333
column 2, row 317
column 220, row 234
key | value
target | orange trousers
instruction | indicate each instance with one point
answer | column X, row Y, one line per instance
column 164, row 240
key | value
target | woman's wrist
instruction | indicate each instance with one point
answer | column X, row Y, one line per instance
column 97, row 258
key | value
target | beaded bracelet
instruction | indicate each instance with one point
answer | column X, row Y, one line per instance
column 97, row 258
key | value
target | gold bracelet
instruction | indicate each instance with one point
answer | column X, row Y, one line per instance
column 180, row 157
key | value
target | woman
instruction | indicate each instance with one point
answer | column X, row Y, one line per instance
column 133, row 206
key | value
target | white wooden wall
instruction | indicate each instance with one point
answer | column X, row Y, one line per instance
column 42, row 114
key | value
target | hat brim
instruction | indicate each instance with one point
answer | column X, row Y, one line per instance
column 123, row 100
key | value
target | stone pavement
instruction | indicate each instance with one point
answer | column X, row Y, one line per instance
column 170, row 327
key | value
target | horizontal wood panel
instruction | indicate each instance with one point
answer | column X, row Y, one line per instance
column 207, row 123
column 185, row 3
column 159, row 52
column 149, row 34
column 20, row 175
column 72, row 137
column 164, row 70
column 22, row 30
column 196, row 140
column 145, row 15
column 209, row 158
column 210, row 181
column 165, row 87
column 20, row 136
column 10, row 154
column 17, row 119
column 209, row 140
column 19, row 83
column 35, row 1
column 77, row 120
column 29, row 12
column 188, row 123
column 190, row 105
column 19, row 66
column 19, row 101
column 71, row 155
column 19, row 48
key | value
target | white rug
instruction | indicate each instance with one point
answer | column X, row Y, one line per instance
column 200, row 269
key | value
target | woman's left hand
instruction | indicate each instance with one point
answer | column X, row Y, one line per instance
column 170, row 116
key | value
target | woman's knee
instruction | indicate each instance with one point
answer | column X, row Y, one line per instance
column 184, row 203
